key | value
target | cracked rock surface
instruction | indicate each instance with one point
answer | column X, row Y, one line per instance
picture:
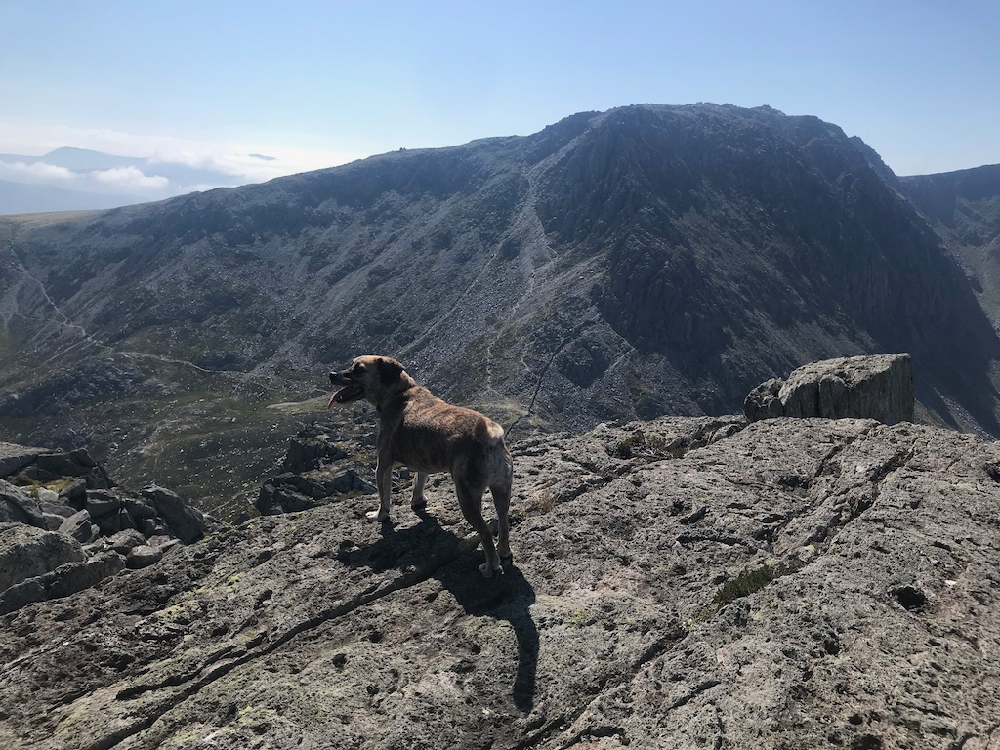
column 687, row 582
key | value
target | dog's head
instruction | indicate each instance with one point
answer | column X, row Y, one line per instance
column 373, row 378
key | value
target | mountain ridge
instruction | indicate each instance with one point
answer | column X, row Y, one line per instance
column 616, row 265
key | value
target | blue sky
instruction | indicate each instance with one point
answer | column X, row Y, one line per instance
column 319, row 83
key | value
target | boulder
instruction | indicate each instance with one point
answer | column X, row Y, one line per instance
column 64, row 581
column 138, row 508
column 81, row 527
column 17, row 505
column 15, row 457
column 185, row 522
column 102, row 503
column 143, row 556
column 27, row 551
column 126, row 540
column 878, row 386
column 46, row 496
column 64, row 464
column 289, row 492
column 308, row 450
column 75, row 492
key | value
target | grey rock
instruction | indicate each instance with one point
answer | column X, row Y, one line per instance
column 53, row 521
column 186, row 523
column 309, row 449
column 17, row 505
column 46, row 496
column 138, row 508
column 143, row 556
column 14, row 457
column 125, row 540
column 876, row 387
column 66, row 580
column 290, row 492
column 58, row 509
column 26, row 551
column 75, row 492
column 80, row 526
column 75, row 464
column 806, row 583
column 163, row 542
column 101, row 503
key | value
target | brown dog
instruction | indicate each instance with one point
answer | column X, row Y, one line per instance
column 420, row 430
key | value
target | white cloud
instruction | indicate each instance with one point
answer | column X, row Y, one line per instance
column 240, row 160
column 131, row 178
column 37, row 171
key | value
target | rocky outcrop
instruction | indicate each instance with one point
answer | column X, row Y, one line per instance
column 27, row 551
column 678, row 583
column 64, row 527
column 878, row 386
column 317, row 468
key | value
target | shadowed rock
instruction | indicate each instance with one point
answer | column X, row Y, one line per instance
column 876, row 387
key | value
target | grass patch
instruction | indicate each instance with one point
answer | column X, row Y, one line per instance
column 639, row 444
column 746, row 583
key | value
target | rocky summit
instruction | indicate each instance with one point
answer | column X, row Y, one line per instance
column 683, row 582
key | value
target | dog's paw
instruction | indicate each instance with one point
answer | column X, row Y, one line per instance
column 506, row 555
column 418, row 504
column 377, row 515
column 489, row 571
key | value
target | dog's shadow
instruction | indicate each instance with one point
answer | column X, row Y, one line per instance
column 428, row 550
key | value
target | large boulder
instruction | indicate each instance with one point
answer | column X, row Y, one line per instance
column 14, row 457
column 17, row 505
column 877, row 386
column 26, row 551
column 64, row 581
column 186, row 523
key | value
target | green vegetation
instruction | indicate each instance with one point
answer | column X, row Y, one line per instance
column 746, row 583
column 639, row 444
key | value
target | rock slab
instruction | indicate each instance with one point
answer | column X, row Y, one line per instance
column 683, row 583
column 878, row 387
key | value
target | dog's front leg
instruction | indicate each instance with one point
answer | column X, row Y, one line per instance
column 383, row 480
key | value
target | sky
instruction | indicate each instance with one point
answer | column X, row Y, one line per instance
column 217, row 84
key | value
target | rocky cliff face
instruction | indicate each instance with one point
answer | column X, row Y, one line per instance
column 686, row 582
column 964, row 208
column 631, row 263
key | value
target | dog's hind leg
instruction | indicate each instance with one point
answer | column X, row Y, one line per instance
column 501, row 500
column 470, row 500
column 417, row 500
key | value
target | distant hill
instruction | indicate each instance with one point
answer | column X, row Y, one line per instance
column 74, row 178
column 643, row 261
column 21, row 198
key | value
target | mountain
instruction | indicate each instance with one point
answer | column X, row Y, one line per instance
column 964, row 207
column 642, row 261
column 70, row 179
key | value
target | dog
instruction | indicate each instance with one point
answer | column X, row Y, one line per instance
column 429, row 435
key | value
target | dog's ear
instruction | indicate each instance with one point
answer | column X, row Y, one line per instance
column 388, row 370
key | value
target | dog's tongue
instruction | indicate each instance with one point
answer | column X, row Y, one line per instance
column 344, row 395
